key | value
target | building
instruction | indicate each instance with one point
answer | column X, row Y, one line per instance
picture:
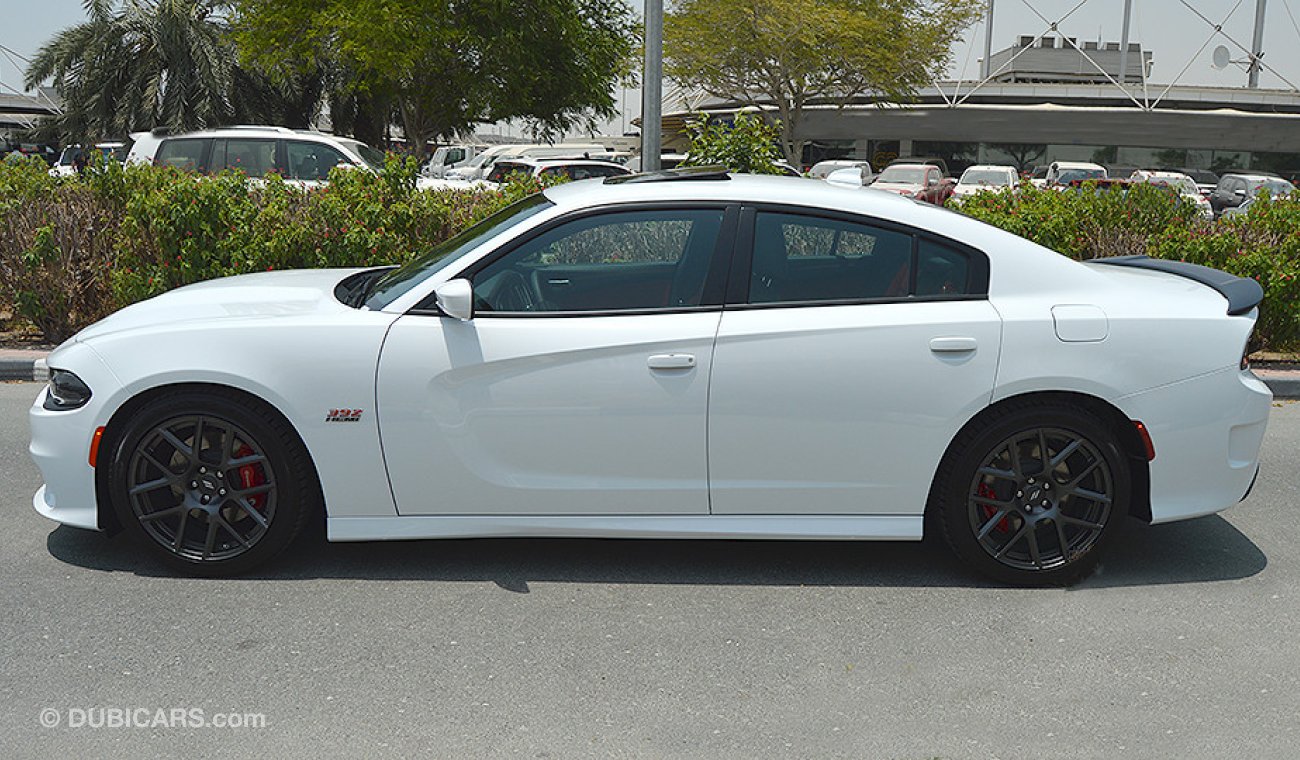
column 1048, row 101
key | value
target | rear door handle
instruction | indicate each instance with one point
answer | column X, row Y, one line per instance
column 671, row 361
column 953, row 345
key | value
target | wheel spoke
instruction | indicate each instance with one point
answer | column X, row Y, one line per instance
column 995, row 503
column 997, row 473
column 1084, row 523
column 252, row 512
column 163, row 513
column 227, row 446
column 1016, row 466
column 250, row 459
column 1013, row 540
column 153, row 485
column 175, row 442
column 1065, row 453
column 1060, row 537
column 1077, row 479
column 1090, row 495
column 196, row 443
column 254, row 490
column 1044, row 459
column 992, row 523
column 180, row 531
column 153, row 461
column 231, row 530
column 211, row 538
column 1034, row 555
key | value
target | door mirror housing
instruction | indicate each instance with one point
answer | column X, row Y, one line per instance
column 456, row 299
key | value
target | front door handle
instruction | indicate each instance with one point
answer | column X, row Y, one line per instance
column 671, row 361
column 953, row 345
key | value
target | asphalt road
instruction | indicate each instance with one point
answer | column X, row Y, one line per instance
column 1186, row 644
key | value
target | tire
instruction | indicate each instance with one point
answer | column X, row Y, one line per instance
column 1004, row 519
column 233, row 501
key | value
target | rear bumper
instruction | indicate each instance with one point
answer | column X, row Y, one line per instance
column 1207, row 433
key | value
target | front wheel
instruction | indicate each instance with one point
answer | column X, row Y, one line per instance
column 1034, row 495
column 212, row 484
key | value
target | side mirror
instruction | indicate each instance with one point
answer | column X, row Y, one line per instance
column 456, row 299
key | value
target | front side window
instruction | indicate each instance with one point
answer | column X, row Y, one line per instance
column 186, row 154
column 312, row 161
column 631, row 260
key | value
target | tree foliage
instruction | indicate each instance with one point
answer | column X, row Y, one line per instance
column 448, row 64
column 747, row 145
column 795, row 53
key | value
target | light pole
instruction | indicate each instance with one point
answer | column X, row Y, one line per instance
column 652, row 85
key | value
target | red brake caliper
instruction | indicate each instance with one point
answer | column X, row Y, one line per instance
column 250, row 476
column 988, row 493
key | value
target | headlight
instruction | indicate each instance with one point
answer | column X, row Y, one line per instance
column 66, row 391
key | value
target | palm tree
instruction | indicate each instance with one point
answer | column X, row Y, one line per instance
column 145, row 64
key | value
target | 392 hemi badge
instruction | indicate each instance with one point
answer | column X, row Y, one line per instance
column 343, row 415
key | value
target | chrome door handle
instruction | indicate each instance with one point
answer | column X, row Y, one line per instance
column 671, row 361
column 953, row 345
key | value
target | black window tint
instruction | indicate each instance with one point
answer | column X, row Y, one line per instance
column 256, row 158
column 312, row 160
column 940, row 270
column 798, row 258
column 618, row 261
column 184, row 154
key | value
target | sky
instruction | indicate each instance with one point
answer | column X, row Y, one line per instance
column 1167, row 28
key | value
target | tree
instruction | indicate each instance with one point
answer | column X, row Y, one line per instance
column 795, row 53
column 747, row 145
column 163, row 63
column 447, row 65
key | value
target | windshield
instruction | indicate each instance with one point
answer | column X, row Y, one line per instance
column 986, row 177
column 397, row 282
column 907, row 175
column 373, row 158
column 1070, row 175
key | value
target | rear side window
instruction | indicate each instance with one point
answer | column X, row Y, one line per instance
column 256, row 158
column 940, row 270
column 186, row 154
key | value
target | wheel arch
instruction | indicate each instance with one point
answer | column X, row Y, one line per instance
column 117, row 423
column 1119, row 423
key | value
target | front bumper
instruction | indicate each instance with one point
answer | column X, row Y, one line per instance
column 1207, row 433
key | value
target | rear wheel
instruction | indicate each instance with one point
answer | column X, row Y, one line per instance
column 1033, row 496
column 211, row 484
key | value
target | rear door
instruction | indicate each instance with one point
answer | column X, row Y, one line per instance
column 849, row 354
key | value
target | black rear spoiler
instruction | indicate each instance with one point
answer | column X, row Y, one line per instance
column 1243, row 293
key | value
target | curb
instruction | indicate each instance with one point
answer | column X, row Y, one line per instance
column 30, row 365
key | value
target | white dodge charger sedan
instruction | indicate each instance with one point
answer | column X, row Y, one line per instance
column 682, row 354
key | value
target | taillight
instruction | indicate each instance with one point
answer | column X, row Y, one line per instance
column 1245, row 359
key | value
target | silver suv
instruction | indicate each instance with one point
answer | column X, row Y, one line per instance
column 299, row 156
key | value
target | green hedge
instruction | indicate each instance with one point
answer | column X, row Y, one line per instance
column 1264, row 244
column 75, row 249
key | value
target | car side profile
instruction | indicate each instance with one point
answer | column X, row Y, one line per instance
column 684, row 354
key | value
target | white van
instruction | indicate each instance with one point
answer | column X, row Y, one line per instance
column 479, row 167
column 449, row 157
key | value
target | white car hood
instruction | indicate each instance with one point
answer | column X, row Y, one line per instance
column 266, row 295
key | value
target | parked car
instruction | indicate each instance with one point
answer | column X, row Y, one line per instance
column 449, row 157
column 543, row 168
column 853, row 176
column 638, row 358
column 823, row 169
column 666, row 161
column 925, row 182
column 1205, row 179
column 74, row 156
column 1062, row 173
column 1184, row 185
column 1234, row 188
column 1038, row 176
column 301, row 157
column 479, row 167
column 985, row 177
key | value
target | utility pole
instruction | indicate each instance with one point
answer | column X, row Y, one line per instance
column 652, row 85
column 1123, row 43
column 985, row 67
column 1257, row 46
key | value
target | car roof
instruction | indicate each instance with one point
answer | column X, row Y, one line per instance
column 1076, row 165
column 253, row 131
column 999, row 167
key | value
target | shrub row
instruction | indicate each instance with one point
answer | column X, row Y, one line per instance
column 75, row 249
column 1263, row 244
